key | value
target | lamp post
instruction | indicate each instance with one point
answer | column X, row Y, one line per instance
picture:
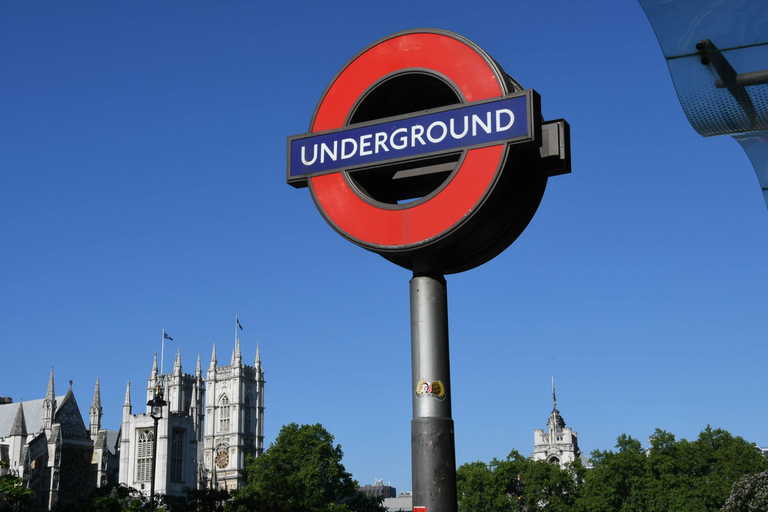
column 519, row 491
column 156, row 412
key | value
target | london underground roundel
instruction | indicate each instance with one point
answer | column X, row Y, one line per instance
column 424, row 151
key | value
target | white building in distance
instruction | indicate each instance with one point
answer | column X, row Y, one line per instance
column 559, row 444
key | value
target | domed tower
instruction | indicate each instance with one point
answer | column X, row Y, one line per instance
column 558, row 445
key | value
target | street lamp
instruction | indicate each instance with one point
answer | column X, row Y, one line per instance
column 156, row 412
column 519, row 486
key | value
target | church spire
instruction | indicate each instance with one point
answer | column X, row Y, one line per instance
column 199, row 367
column 19, row 427
column 257, row 362
column 153, row 375
column 97, row 394
column 96, row 410
column 50, row 394
column 49, row 404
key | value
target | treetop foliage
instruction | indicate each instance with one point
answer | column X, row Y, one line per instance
column 669, row 474
column 302, row 472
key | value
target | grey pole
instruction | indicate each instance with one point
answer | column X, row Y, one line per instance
column 433, row 457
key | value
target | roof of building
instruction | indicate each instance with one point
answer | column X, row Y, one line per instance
column 33, row 415
column 19, row 427
column 556, row 420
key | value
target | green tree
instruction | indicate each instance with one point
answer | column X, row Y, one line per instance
column 750, row 494
column 478, row 490
column 198, row 500
column 14, row 495
column 301, row 472
column 118, row 498
column 618, row 480
column 685, row 476
column 494, row 487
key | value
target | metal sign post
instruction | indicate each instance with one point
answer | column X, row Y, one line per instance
column 433, row 454
column 423, row 150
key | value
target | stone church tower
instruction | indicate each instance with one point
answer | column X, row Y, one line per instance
column 179, row 433
column 559, row 444
column 234, row 412
column 210, row 424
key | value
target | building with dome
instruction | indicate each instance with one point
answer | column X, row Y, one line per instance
column 558, row 444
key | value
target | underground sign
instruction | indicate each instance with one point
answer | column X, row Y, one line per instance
column 423, row 150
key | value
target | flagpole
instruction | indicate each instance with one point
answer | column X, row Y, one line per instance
column 162, row 352
column 554, row 396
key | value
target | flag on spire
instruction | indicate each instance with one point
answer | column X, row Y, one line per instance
column 238, row 323
column 165, row 336
column 554, row 397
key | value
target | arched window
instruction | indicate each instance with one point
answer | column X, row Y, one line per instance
column 177, row 455
column 146, row 442
column 224, row 414
column 247, row 413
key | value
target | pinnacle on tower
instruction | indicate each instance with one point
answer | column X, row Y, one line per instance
column 49, row 404
column 177, row 362
column 127, row 402
column 199, row 368
column 97, row 395
column 153, row 375
column 50, row 394
column 213, row 358
column 238, row 355
column 95, row 413
column 257, row 362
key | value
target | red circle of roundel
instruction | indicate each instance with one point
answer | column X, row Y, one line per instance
column 473, row 73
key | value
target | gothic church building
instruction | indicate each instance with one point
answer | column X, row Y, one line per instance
column 204, row 435
column 46, row 443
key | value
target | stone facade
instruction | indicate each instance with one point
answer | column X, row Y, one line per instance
column 559, row 444
column 178, row 434
column 208, row 427
column 234, row 408
column 203, row 439
column 50, row 448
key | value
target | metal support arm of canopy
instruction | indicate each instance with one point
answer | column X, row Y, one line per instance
column 728, row 94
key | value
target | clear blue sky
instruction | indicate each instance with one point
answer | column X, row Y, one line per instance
column 142, row 187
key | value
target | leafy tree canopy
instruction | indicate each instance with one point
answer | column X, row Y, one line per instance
column 14, row 496
column 750, row 494
column 675, row 475
column 301, row 472
column 669, row 474
column 495, row 487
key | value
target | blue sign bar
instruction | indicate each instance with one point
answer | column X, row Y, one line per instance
column 478, row 124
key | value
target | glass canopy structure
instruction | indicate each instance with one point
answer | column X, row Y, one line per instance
column 717, row 53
